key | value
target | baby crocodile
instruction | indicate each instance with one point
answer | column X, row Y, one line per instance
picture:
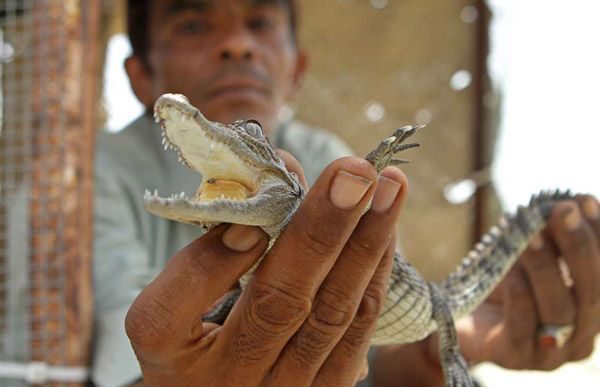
column 245, row 181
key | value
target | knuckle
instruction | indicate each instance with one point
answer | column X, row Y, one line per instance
column 518, row 286
column 148, row 327
column 362, row 247
column 135, row 321
column 332, row 380
column 322, row 329
column 309, row 345
column 588, row 205
column 320, row 242
column 274, row 314
column 354, row 341
column 583, row 351
column 580, row 243
column 370, row 307
column 333, row 309
column 276, row 309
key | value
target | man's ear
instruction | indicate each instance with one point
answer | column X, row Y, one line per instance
column 140, row 80
column 299, row 71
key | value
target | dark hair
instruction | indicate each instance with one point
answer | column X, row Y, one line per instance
column 138, row 21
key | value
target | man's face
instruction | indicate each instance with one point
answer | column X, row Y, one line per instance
column 234, row 59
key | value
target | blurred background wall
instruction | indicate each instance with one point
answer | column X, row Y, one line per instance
column 377, row 65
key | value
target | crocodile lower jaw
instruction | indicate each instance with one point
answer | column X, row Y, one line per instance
column 210, row 190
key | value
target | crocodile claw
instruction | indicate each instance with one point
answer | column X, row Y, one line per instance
column 382, row 155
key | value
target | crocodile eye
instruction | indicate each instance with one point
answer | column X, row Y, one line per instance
column 254, row 129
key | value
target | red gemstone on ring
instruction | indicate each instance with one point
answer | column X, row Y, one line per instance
column 547, row 341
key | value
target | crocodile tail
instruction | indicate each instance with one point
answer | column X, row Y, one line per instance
column 489, row 261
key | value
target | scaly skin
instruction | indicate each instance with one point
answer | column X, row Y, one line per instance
column 239, row 162
column 238, row 153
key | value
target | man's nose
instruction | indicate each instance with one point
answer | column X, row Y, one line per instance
column 237, row 44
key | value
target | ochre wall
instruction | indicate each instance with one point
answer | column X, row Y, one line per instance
column 401, row 57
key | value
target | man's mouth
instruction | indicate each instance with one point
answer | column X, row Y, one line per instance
column 241, row 91
column 238, row 81
column 238, row 87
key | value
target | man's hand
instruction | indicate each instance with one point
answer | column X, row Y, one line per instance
column 505, row 328
column 308, row 313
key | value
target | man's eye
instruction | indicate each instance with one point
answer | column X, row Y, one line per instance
column 261, row 23
column 192, row 27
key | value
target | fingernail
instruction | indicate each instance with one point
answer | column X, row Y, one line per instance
column 242, row 238
column 537, row 242
column 347, row 190
column 591, row 209
column 385, row 194
column 573, row 219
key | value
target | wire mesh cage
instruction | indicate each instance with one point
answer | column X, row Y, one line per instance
column 47, row 118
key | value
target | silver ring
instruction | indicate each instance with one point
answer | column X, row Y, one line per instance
column 555, row 336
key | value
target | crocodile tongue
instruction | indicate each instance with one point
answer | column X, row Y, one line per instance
column 212, row 189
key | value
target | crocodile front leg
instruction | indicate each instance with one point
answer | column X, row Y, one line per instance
column 456, row 371
column 411, row 289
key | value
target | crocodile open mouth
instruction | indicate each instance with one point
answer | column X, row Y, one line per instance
column 224, row 175
column 230, row 188
column 205, row 147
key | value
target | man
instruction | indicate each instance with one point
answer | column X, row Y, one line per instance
column 307, row 316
